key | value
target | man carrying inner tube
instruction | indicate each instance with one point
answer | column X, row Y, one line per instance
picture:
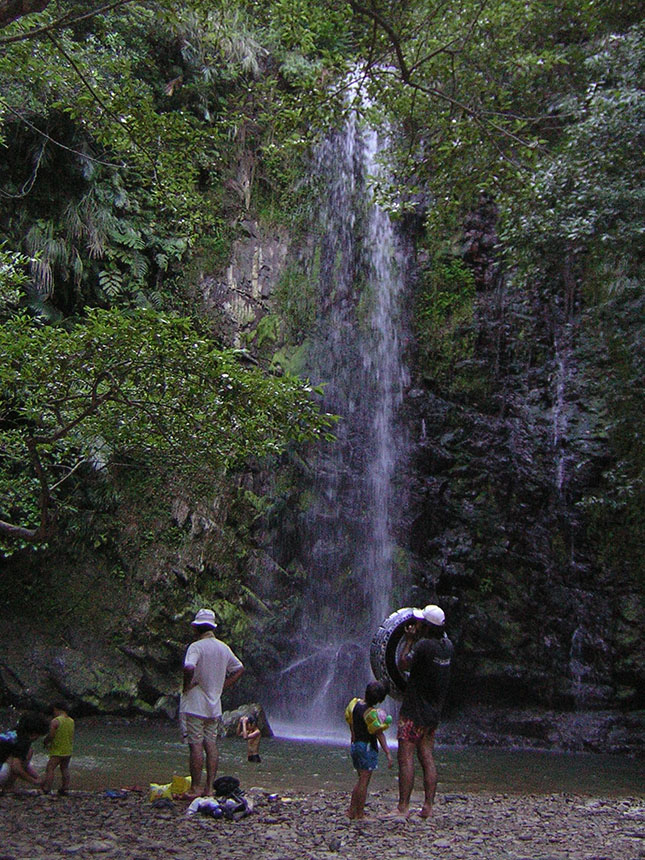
column 426, row 654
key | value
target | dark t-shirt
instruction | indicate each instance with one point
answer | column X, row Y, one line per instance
column 428, row 682
column 360, row 726
column 14, row 746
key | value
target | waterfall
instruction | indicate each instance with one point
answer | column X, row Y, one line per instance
column 560, row 416
column 355, row 500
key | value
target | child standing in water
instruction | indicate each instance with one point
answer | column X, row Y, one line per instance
column 248, row 729
column 59, row 743
column 367, row 727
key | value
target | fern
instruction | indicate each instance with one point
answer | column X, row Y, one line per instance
column 47, row 252
column 127, row 235
column 139, row 266
column 111, row 282
column 78, row 269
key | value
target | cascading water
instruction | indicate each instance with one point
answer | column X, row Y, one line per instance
column 559, row 412
column 357, row 354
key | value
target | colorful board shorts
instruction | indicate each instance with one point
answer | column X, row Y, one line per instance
column 364, row 756
column 199, row 729
column 407, row 731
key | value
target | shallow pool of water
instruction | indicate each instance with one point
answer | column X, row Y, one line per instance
column 119, row 755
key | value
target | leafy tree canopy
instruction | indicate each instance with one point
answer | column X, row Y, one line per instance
column 473, row 86
column 138, row 388
column 130, row 131
column 134, row 131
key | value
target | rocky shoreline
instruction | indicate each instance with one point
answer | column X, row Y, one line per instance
column 610, row 732
column 313, row 826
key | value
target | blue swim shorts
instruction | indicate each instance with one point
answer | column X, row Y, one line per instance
column 364, row 756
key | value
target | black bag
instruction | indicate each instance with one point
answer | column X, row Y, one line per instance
column 231, row 798
column 227, row 786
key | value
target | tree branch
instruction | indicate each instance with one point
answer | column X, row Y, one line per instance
column 406, row 72
column 12, row 531
column 44, row 503
column 55, row 142
column 12, row 10
column 96, row 401
column 391, row 33
column 63, row 21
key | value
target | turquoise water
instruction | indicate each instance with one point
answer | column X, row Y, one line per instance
column 115, row 756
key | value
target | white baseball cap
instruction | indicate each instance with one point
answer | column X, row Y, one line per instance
column 431, row 614
column 205, row 617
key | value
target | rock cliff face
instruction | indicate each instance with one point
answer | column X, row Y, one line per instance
column 503, row 456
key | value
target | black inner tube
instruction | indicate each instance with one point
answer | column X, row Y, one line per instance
column 384, row 651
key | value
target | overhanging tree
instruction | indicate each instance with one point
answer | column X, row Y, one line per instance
column 141, row 387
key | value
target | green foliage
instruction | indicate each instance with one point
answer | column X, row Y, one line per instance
column 296, row 299
column 132, row 141
column 128, row 206
column 443, row 320
column 267, row 331
column 142, row 388
column 474, row 90
column 615, row 508
column 577, row 227
column 291, row 359
column 13, row 277
column 587, row 193
column 134, row 136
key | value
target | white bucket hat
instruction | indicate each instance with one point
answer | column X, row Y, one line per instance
column 205, row 617
column 431, row 614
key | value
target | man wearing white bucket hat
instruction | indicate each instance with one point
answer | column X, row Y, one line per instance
column 426, row 653
column 209, row 668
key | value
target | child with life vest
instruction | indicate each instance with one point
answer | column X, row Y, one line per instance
column 59, row 743
column 367, row 724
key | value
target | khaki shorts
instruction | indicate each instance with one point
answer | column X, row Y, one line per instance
column 199, row 729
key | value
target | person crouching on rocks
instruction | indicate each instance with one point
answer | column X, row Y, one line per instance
column 367, row 726
column 16, row 751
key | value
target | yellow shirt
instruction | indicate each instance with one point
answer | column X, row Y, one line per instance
column 63, row 741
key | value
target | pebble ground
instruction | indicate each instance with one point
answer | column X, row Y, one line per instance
column 312, row 827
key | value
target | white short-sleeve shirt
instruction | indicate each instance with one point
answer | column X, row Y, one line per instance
column 212, row 661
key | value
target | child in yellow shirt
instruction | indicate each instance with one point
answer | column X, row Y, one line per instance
column 59, row 743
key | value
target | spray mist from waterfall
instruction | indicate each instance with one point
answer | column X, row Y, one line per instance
column 355, row 497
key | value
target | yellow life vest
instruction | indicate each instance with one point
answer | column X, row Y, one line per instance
column 376, row 719
column 349, row 710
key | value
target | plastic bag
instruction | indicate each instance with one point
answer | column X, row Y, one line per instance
column 180, row 784
column 158, row 791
